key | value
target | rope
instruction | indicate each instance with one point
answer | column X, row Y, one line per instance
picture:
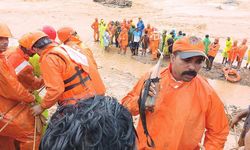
column 9, row 121
column 99, row 123
column 34, row 142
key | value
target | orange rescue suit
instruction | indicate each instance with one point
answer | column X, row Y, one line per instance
column 213, row 49
column 65, row 81
column 24, row 71
column 241, row 52
column 182, row 112
column 123, row 38
column 154, row 41
column 11, row 94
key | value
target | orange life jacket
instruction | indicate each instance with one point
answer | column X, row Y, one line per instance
column 80, row 81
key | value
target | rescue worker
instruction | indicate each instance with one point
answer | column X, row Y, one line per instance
column 123, row 40
column 69, row 36
column 68, row 75
column 206, row 43
column 241, row 52
column 25, row 71
column 95, row 26
column 154, row 41
column 14, row 101
column 229, row 43
column 213, row 50
column 102, row 27
column 245, row 135
column 232, row 53
column 163, row 40
column 185, row 107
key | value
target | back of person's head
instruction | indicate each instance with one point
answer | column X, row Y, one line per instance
column 207, row 36
column 36, row 39
column 50, row 31
column 98, row 123
column 65, row 33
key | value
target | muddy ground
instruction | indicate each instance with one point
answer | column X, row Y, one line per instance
column 119, row 72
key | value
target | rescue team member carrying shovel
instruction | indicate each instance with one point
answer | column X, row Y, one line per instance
column 16, row 121
column 185, row 105
column 68, row 75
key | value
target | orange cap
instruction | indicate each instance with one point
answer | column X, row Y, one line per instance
column 29, row 39
column 5, row 31
column 189, row 47
column 65, row 33
column 24, row 40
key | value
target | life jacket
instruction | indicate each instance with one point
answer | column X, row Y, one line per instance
column 81, row 79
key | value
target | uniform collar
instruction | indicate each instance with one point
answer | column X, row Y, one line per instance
column 47, row 50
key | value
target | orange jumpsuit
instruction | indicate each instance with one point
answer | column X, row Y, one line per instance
column 154, row 41
column 12, row 93
column 95, row 26
column 123, row 39
column 232, row 53
column 66, row 81
column 241, row 52
column 24, row 71
column 182, row 112
column 213, row 49
column 150, row 31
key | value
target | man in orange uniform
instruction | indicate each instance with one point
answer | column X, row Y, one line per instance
column 68, row 75
column 186, row 105
column 123, row 40
column 14, row 102
column 241, row 52
column 232, row 53
column 154, row 41
column 69, row 36
column 19, row 60
column 95, row 26
column 212, row 52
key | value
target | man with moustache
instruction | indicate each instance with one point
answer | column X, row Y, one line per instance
column 186, row 106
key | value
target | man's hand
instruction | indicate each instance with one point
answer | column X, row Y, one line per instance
column 238, row 117
column 152, row 91
column 36, row 110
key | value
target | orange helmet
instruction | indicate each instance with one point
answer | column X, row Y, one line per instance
column 50, row 31
column 24, row 40
column 29, row 39
column 5, row 31
column 65, row 33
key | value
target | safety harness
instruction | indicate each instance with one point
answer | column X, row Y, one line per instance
column 142, row 109
column 77, row 74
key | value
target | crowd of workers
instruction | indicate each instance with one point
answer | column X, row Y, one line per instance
column 186, row 106
column 125, row 34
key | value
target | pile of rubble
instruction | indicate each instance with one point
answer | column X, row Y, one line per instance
column 115, row 3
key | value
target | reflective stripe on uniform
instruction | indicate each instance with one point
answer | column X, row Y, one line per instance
column 20, row 67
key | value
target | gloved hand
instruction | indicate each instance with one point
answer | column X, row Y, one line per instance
column 37, row 110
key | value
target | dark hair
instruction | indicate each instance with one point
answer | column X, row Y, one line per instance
column 42, row 42
column 23, row 48
column 207, row 36
column 98, row 123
